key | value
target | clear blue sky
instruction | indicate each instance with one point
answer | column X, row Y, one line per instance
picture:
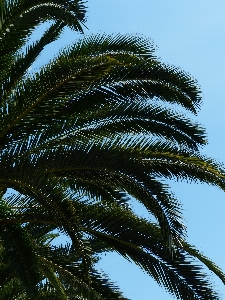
column 190, row 34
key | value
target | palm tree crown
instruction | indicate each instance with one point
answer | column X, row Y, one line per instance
column 97, row 120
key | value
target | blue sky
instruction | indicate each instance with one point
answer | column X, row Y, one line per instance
column 190, row 35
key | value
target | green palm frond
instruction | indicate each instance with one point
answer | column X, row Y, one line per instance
column 59, row 265
column 21, row 65
column 76, row 74
column 134, row 238
column 20, row 18
column 19, row 253
column 137, row 239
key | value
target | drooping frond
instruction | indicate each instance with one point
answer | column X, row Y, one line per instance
column 134, row 238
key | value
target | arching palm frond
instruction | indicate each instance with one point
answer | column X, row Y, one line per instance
column 31, row 266
column 112, row 228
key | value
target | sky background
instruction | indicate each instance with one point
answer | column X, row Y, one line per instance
column 191, row 35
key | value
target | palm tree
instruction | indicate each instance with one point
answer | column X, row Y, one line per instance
column 97, row 120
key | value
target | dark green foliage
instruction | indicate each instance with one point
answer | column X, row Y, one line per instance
column 99, row 119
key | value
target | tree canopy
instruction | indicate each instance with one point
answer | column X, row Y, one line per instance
column 99, row 119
